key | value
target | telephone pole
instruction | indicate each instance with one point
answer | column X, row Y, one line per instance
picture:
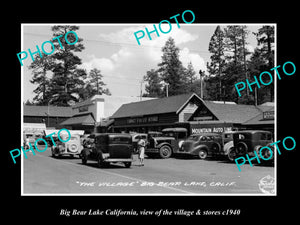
column 141, row 91
column 201, row 73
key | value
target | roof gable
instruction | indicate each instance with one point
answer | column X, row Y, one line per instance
column 155, row 106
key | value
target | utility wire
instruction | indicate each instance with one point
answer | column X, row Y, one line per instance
column 122, row 44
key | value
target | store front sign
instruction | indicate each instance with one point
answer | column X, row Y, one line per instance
column 268, row 115
column 210, row 128
column 139, row 120
column 203, row 118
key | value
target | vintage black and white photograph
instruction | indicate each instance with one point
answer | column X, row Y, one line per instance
column 170, row 108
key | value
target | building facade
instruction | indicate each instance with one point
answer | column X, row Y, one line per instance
column 93, row 114
column 51, row 116
column 188, row 111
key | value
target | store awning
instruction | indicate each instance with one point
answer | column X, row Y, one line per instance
column 86, row 119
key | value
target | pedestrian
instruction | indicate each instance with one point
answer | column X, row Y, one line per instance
column 141, row 149
column 27, row 143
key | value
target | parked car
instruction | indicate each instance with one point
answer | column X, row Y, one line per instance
column 203, row 145
column 135, row 138
column 227, row 142
column 246, row 142
column 72, row 147
column 108, row 148
column 168, row 143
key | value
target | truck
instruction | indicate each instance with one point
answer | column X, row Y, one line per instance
column 168, row 143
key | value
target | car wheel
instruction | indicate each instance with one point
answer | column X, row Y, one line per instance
column 216, row 147
column 231, row 154
column 265, row 154
column 202, row 154
column 242, row 148
column 53, row 153
column 83, row 158
column 127, row 164
column 165, row 152
column 100, row 162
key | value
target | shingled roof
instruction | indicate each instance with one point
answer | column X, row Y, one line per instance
column 154, row 106
column 234, row 113
column 231, row 113
column 55, row 111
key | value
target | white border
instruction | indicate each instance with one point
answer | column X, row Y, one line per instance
column 138, row 194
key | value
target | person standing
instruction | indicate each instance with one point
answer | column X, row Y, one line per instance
column 141, row 149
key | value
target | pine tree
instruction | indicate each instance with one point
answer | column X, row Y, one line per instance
column 171, row 70
column 236, row 69
column 263, row 60
column 67, row 80
column 40, row 67
column 217, row 65
column 94, row 85
column 154, row 86
column 190, row 74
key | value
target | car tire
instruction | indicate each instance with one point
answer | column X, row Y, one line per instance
column 202, row 154
column 242, row 148
column 100, row 161
column 216, row 148
column 231, row 154
column 52, row 153
column 127, row 164
column 265, row 154
column 83, row 158
column 165, row 151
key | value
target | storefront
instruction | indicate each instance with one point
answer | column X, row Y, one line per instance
column 263, row 121
column 155, row 114
column 188, row 111
column 92, row 115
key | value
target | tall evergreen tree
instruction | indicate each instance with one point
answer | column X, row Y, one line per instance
column 154, row 87
column 217, row 65
column 263, row 60
column 40, row 67
column 236, row 69
column 94, row 85
column 67, row 78
column 171, row 69
column 190, row 74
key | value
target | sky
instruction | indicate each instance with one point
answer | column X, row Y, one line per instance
column 113, row 49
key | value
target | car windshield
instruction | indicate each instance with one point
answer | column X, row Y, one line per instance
column 194, row 137
column 120, row 140
column 265, row 136
column 168, row 134
column 73, row 138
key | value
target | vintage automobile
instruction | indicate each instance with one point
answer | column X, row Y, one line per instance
column 248, row 141
column 135, row 138
column 203, row 145
column 168, row 143
column 227, row 142
column 106, row 148
column 72, row 147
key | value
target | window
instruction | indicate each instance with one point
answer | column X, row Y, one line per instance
column 169, row 134
column 241, row 136
column 119, row 140
column 209, row 138
column 181, row 135
column 203, row 138
column 194, row 138
column 227, row 135
column 265, row 136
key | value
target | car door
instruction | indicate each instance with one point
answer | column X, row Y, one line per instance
column 120, row 147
